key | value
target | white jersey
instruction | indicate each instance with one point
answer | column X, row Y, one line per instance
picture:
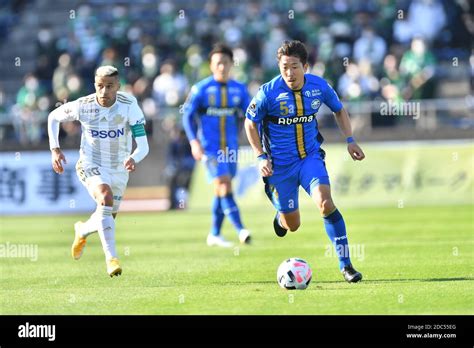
column 106, row 134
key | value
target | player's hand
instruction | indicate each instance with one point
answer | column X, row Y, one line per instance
column 57, row 157
column 196, row 150
column 355, row 151
column 266, row 168
column 129, row 164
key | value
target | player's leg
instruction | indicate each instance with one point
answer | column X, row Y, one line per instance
column 336, row 231
column 315, row 181
column 88, row 227
column 290, row 221
column 217, row 212
column 282, row 190
column 106, row 227
column 119, row 180
column 90, row 178
column 214, row 237
column 223, row 204
column 223, row 189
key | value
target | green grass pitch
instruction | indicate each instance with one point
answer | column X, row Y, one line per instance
column 414, row 260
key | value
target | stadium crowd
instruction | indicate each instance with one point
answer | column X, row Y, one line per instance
column 367, row 49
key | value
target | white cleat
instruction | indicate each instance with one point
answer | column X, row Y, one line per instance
column 219, row 241
column 244, row 236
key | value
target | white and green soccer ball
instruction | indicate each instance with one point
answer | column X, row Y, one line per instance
column 294, row 273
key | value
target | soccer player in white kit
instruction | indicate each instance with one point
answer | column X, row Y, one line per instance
column 109, row 119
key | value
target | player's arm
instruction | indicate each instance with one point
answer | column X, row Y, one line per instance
column 66, row 112
column 189, row 123
column 254, row 116
column 344, row 123
column 137, row 126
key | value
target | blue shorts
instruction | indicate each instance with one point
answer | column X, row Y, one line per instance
column 283, row 186
column 217, row 167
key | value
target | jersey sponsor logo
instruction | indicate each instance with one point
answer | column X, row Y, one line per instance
column 215, row 111
column 287, row 121
column 315, row 92
column 211, row 89
column 282, row 96
column 106, row 134
column 90, row 111
column 234, row 90
column 315, row 104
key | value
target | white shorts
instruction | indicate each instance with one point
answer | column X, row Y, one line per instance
column 92, row 175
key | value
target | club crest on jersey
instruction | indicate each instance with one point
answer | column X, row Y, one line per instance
column 315, row 104
column 118, row 119
column 236, row 99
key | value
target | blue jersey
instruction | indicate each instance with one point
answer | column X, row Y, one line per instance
column 215, row 107
column 287, row 119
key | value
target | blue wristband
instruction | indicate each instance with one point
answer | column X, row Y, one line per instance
column 350, row 140
column 262, row 157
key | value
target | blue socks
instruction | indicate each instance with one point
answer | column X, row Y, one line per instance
column 230, row 209
column 217, row 216
column 336, row 230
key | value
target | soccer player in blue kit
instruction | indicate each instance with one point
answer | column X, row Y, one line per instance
column 283, row 131
column 213, row 107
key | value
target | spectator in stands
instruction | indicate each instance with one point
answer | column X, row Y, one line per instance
column 60, row 77
column 425, row 18
column 27, row 116
column 370, row 46
column 417, row 68
column 170, row 87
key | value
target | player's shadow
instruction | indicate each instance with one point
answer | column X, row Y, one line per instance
column 263, row 282
column 405, row 280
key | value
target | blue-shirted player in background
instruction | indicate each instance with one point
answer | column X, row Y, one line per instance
column 283, row 131
column 211, row 122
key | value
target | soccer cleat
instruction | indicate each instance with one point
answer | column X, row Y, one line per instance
column 244, row 236
column 113, row 267
column 79, row 242
column 351, row 275
column 280, row 231
column 218, row 240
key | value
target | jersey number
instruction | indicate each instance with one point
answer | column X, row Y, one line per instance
column 283, row 108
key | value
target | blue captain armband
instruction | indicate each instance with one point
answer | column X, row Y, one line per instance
column 138, row 130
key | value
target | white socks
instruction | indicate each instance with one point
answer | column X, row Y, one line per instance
column 90, row 226
column 106, row 229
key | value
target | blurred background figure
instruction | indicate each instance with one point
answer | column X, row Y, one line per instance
column 170, row 86
column 179, row 169
column 417, row 68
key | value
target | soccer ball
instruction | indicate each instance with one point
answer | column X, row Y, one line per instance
column 294, row 273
